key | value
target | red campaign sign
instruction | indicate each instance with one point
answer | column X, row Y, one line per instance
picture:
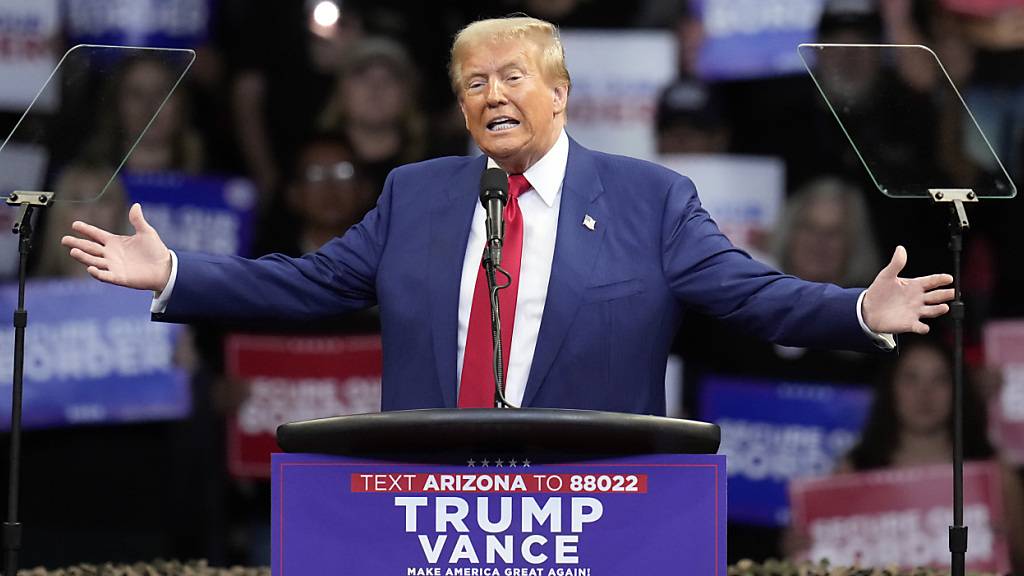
column 501, row 483
column 901, row 517
column 292, row 378
column 1004, row 347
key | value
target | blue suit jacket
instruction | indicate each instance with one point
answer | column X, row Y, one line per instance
column 614, row 299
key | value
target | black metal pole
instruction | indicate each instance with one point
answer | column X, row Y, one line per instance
column 957, row 532
column 12, row 527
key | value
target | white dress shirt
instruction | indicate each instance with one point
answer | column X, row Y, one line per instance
column 539, row 207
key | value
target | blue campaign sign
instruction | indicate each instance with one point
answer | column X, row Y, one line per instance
column 653, row 514
column 92, row 355
column 754, row 38
column 211, row 214
column 155, row 23
column 773, row 432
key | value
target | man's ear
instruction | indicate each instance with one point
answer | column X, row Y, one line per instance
column 465, row 117
column 560, row 98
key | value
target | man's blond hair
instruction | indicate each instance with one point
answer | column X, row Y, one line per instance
column 544, row 35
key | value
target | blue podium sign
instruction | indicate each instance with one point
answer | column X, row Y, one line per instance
column 652, row 514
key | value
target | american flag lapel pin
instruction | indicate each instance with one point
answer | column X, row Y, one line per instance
column 589, row 223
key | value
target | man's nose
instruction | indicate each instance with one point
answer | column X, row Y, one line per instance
column 495, row 93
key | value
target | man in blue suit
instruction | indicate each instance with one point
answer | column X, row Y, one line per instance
column 609, row 252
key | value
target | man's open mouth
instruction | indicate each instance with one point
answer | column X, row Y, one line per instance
column 502, row 123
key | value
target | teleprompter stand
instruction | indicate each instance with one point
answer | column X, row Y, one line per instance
column 871, row 129
column 958, row 224
column 79, row 65
column 28, row 202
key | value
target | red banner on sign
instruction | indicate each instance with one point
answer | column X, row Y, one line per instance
column 501, row 483
column 290, row 378
column 901, row 517
column 1004, row 347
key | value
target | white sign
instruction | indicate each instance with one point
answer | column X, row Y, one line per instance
column 616, row 78
column 744, row 194
column 28, row 39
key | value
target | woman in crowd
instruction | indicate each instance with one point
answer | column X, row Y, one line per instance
column 86, row 192
column 910, row 424
column 132, row 96
column 375, row 106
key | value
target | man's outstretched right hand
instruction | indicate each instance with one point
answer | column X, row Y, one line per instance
column 139, row 261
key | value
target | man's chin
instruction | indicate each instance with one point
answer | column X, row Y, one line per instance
column 502, row 152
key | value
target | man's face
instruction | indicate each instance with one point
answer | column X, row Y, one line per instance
column 513, row 113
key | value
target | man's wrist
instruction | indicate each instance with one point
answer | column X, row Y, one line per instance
column 881, row 339
column 160, row 298
column 168, row 268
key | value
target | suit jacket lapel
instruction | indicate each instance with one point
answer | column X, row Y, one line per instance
column 451, row 219
column 576, row 248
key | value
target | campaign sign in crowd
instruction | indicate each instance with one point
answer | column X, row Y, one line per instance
column 92, row 356
column 1004, row 348
column 774, row 432
column 199, row 213
column 901, row 517
column 292, row 378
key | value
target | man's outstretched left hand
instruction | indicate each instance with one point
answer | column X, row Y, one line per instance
column 893, row 305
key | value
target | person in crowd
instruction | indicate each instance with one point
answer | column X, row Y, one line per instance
column 375, row 105
column 279, row 87
column 911, row 422
column 826, row 234
column 133, row 95
column 88, row 192
column 327, row 194
column 691, row 115
column 994, row 34
column 690, row 119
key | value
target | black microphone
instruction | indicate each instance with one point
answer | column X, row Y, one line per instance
column 494, row 196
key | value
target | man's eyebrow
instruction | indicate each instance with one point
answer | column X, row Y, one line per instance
column 516, row 64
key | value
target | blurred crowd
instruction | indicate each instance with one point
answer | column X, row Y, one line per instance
column 315, row 110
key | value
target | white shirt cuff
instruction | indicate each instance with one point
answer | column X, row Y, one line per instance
column 160, row 298
column 884, row 341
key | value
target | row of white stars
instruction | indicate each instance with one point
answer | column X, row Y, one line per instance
column 497, row 463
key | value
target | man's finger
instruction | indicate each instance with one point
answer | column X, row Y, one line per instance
column 91, row 232
column 939, row 296
column 137, row 220
column 898, row 262
column 82, row 244
column 88, row 259
column 934, row 281
column 934, row 311
column 101, row 275
column 920, row 328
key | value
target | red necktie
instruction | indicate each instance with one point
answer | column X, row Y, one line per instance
column 477, row 385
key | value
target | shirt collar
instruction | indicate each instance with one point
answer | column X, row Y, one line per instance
column 547, row 174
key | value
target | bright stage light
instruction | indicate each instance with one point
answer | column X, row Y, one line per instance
column 326, row 13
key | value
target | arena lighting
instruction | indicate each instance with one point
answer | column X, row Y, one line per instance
column 326, row 13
